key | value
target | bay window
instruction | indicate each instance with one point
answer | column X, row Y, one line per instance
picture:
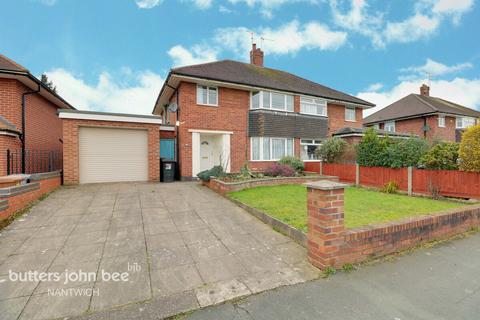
column 271, row 100
column 313, row 106
column 266, row 148
column 308, row 149
column 207, row 95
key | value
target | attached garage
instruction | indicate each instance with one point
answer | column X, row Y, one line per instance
column 112, row 154
column 108, row 147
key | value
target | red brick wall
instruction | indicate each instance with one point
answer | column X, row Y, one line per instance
column 230, row 115
column 411, row 126
column 7, row 142
column 70, row 146
column 20, row 201
column 11, row 101
column 336, row 118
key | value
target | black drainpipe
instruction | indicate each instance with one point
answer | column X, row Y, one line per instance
column 177, row 144
column 424, row 127
column 24, row 95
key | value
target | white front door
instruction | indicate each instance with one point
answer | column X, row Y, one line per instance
column 207, row 152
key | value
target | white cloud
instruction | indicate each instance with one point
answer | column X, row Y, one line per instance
column 358, row 19
column 47, row 2
column 147, row 4
column 132, row 92
column 435, row 68
column 452, row 6
column 223, row 9
column 197, row 54
column 286, row 39
column 412, row 29
column 375, row 86
column 203, row 4
column 459, row 90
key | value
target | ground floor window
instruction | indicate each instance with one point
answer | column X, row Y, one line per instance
column 266, row 148
column 308, row 148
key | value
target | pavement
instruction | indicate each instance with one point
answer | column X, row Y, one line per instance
column 441, row 282
column 139, row 250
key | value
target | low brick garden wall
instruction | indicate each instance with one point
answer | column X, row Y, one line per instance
column 330, row 244
column 15, row 198
column 223, row 188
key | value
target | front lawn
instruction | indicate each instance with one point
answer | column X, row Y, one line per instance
column 288, row 204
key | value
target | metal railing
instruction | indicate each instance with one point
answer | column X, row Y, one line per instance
column 36, row 161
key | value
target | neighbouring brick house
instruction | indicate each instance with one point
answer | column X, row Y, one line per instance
column 428, row 117
column 229, row 113
column 39, row 131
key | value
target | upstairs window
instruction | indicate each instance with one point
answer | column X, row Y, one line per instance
column 465, row 122
column 207, row 95
column 271, row 100
column 441, row 121
column 313, row 106
column 350, row 114
column 390, row 126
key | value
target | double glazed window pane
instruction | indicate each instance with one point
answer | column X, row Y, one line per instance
column 278, row 101
column 212, row 96
column 202, row 94
column 278, row 148
column 266, row 100
column 255, row 148
column 256, row 99
column 266, row 148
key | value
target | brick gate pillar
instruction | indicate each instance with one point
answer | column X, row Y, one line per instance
column 325, row 211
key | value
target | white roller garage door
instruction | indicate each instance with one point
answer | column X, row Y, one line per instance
column 111, row 155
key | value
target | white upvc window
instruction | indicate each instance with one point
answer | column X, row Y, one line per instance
column 465, row 122
column 376, row 126
column 270, row 149
column 390, row 126
column 441, row 121
column 271, row 100
column 313, row 106
column 207, row 95
column 308, row 149
column 350, row 114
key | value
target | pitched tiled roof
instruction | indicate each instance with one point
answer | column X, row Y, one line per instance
column 8, row 64
column 251, row 75
column 418, row 105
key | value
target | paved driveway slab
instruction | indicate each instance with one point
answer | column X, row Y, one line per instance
column 177, row 245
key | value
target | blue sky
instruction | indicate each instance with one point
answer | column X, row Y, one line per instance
column 113, row 55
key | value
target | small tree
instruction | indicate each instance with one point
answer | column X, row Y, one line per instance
column 406, row 152
column 469, row 151
column 332, row 149
column 48, row 83
column 442, row 156
column 372, row 150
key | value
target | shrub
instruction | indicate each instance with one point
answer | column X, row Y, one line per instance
column 332, row 149
column 469, row 151
column 406, row 152
column 390, row 187
column 372, row 150
column 280, row 170
column 442, row 156
column 293, row 162
column 216, row 171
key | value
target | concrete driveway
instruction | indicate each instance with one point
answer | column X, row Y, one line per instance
column 177, row 245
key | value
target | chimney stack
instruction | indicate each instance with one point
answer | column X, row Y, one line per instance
column 256, row 56
column 425, row 90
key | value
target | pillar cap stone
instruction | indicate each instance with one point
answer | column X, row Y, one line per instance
column 326, row 185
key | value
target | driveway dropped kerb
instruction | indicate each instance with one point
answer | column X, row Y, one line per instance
column 177, row 243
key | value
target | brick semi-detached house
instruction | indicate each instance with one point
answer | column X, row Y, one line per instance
column 428, row 117
column 230, row 113
column 28, row 118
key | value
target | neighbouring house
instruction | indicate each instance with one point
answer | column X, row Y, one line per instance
column 230, row 113
column 428, row 117
column 355, row 135
column 29, row 124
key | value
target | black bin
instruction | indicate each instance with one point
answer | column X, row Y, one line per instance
column 167, row 170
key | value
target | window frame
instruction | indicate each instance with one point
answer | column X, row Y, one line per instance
column 261, row 146
column 441, row 121
column 464, row 126
column 269, row 92
column 387, row 124
column 354, row 113
column 208, row 96
column 325, row 107
column 314, row 142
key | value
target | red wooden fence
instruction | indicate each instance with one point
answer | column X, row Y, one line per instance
column 450, row 183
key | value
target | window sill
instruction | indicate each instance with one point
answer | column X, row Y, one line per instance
column 207, row 105
column 312, row 114
column 350, row 120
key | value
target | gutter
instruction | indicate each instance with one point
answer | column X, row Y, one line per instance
column 22, row 137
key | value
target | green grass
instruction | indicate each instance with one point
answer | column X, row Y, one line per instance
column 288, row 204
